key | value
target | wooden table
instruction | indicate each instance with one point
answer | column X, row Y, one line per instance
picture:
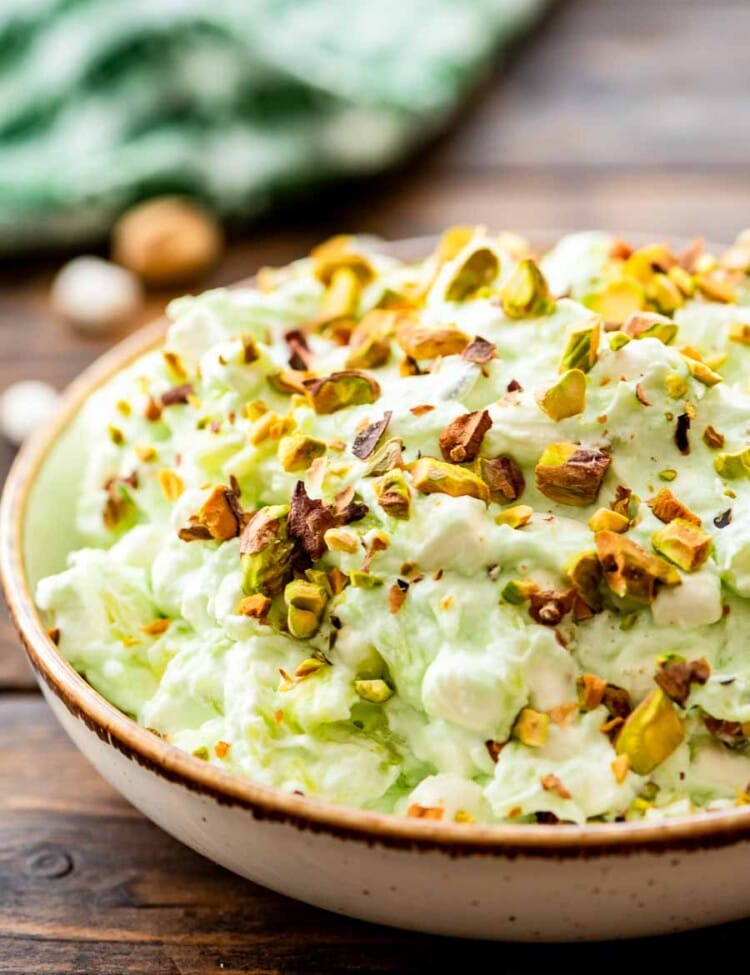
column 626, row 114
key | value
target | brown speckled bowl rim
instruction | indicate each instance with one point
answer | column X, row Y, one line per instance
column 701, row 830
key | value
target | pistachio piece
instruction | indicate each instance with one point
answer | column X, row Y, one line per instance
column 675, row 677
column 297, row 451
column 683, row 279
column 571, row 474
column 703, row 373
column 370, row 342
column 220, row 513
column 306, row 603
column 584, row 572
column 590, row 691
column 531, row 728
column 479, row 351
column 452, row 242
column 647, row 261
column 336, row 253
column 566, row 397
column 676, row 385
column 516, row 516
column 666, row 508
column 420, row 341
column 582, row 345
column 630, row 571
column 712, row 438
column 393, row 494
column 518, row 591
column 733, row 464
column 432, row 476
column 650, row 733
column 341, row 390
column 604, row 519
column 460, row 440
column 367, row 439
column 683, row 543
column 288, row 381
column 341, row 298
column 664, row 294
column 478, row 270
column 526, row 293
column 616, row 301
column 548, row 607
column 503, row 477
column 740, row 332
column 376, row 691
column 256, row 606
column 618, row 340
column 649, row 325
column 714, row 288
column 266, row 551
column 386, row 458
column 310, row 518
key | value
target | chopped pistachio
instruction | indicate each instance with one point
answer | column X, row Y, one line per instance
column 630, row 571
column 386, row 458
column 618, row 340
column 604, row 519
column 284, row 381
column 714, row 289
column 566, row 397
column 171, row 483
column 393, row 494
column 668, row 474
column 257, row 605
column 733, row 464
column 683, row 279
column 590, row 691
column 220, row 513
column 297, row 451
column 503, row 477
column 432, row 476
column 571, row 474
column 582, row 345
column 531, row 728
column 478, row 270
column 666, row 508
column 648, row 325
column 340, row 390
column 364, row 580
column 700, row 371
column 306, row 602
column 452, row 242
column 266, row 551
column 516, row 516
column 526, row 294
column 370, row 353
column 341, row 298
column 683, row 543
column 617, row 300
column 712, row 438
column 650, row 733
column 376, row 691
column 676, row 385
column 429, row 341
column 341, row 540
column 518, row 591
column 585, row 574
column 664, row 294
column 740, row 332
column 460, row 440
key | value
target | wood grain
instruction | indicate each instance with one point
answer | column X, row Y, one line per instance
column 624, row 115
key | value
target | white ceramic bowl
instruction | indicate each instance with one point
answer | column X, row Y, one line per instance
column 516, row 882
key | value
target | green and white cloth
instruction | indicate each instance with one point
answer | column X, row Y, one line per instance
column 103, row 102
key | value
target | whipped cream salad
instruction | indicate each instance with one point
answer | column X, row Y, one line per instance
column 464, row 539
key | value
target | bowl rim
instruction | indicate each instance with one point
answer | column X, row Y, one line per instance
column 56, row 675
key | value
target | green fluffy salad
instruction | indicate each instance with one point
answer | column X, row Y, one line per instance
column 464, row 539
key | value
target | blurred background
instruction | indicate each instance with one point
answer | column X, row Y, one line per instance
column 269, row 125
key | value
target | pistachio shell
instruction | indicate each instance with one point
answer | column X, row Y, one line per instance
column 582, row 345
column 566, row 397
column 684, row 543
column 650, row 733
column 526, row 293
column 432, row 476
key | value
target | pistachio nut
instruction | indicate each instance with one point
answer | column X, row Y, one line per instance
column 531, row 728
column 581, row 345
column 478, row 270
column 571, row 474
column 566, row 397
column 341, row 390
column 266, row 551
column 393, row 494
column 683, row 543
column 432, row 476
column 651, row 733
column 630, row 571
column 306, row 602
column 297, row 451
